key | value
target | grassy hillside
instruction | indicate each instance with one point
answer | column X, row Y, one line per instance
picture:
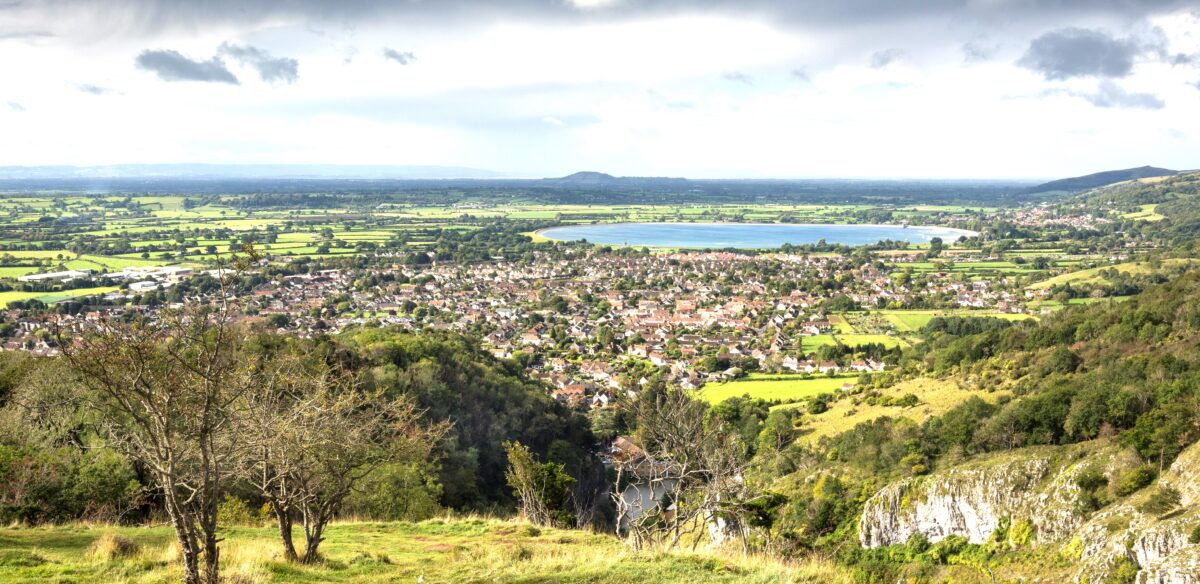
column 1099, row 179
column 936, row 397
column 456, row 550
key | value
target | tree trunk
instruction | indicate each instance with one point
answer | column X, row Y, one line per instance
column 312, row 540
column 212, row 557
column 285, row 534
column 189, row 548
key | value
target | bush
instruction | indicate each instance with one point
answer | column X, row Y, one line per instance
column 1134, row 480
column 398, row 491
column 1021, row 532
column 112, row 547
column 1124, row 571
column 1194, row 538
column 234, row 511
column 917, row 544
column 1162, row 500
column 1092, row 495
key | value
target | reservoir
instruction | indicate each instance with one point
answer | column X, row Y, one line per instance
column 746, row 235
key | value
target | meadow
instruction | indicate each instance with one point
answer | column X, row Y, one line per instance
column 432, row 551
column 770, row 387
column 936, row 396
column 1096, row 275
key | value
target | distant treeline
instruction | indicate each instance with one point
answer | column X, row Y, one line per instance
column 319, row 192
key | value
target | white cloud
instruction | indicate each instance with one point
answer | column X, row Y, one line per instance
column 650, row 96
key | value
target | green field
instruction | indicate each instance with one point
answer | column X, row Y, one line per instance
column 434, row 551
column 1094, row 275
column 1146, row 213
column 49, row 297
column 860, row 340
column 936, row 397
column 774, row 388
column 914, row 320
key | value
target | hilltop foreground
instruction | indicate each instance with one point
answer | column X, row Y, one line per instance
column 439, row 550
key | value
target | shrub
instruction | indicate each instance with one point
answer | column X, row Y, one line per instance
column 1162, row 500
column 398, row 491
column 1092, row 496
column 110, row 547
column 917, row 544
column 942, row 551
column 234, row 511
column 1194, row 538
column 1124, row 571
column 1134, row 480
column 1021, row 532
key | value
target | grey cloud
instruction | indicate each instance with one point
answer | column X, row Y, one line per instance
column 1185, row 60
column 173, row 66
column 270, row 69
column 15, row 107
column 402, row 57
column 801, row 75
column 1079, row 52
column 154, row 16
column 881, row 59
column 1111, row 95
column 738, row 77
column 976, row 53
column 24, row 35
column 93, row 89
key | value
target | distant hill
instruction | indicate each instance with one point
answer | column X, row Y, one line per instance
column 589, row 179
column 1099, row 179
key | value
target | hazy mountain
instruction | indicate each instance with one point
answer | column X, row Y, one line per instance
column 600, row 179
column 245, row 171
column 1099, row 179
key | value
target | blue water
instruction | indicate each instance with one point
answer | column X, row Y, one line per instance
column 745, row 235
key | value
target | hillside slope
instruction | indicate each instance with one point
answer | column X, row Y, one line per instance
column 1099, row 179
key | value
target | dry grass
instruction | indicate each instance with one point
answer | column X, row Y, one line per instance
column 111, row 547
column 444, row 549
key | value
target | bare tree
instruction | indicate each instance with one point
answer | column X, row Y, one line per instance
column 163, row 392
column 313, row 435
column 685, row 476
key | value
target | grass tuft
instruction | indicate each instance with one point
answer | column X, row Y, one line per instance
column 111, row 547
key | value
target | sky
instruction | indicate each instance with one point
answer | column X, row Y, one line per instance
column 695, row 88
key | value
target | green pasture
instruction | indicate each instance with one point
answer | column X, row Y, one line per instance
column 774, row 388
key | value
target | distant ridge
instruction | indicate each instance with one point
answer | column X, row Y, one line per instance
column 245, row 171
column 588, row 177
column 601, row 179
column 1099, row 179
